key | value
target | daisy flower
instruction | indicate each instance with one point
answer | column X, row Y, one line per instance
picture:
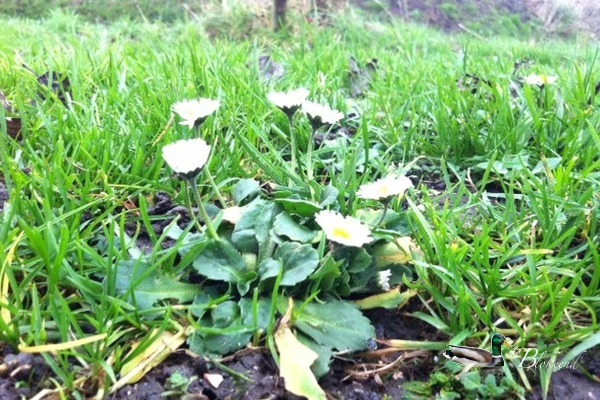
column 383, row 279
column 290, row 101
column 540, row 80
column 194, row 112
column 320, row 114
column 348, row 231
column 186, row 157
column 385, row 188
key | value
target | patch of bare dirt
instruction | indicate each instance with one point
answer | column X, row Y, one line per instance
column 256, row 375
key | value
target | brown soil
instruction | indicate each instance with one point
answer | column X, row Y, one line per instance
column 23, row 375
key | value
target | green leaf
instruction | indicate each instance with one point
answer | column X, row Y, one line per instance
column 234, row 335
column 191, row 244
column 551, row 162
column 303, row 208
column 490, row 388
column 417, row 389
column 227, row 343
column 329, row 196
column 496, row 166
column 146, row 290
column 263, row 313
column 447, row 395
column 244, row 234
column 321, row 366
column 298, row 260
column 359, row 259
column 286, row 226
column 264, row 225
column 335, row 324
column 244, row 286
column 269, row 268
column 245, row 189
column 225, row 313
column 205, row 301
column 392, row 221
column 326, row 275
column 358, row 266
column 588, row 343
column 220, row 261
column 471, row 381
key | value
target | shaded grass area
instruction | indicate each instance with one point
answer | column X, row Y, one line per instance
column 488, row 18
column 505, row 210
column 103, row 10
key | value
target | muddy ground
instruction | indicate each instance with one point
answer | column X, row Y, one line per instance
column 23, row 375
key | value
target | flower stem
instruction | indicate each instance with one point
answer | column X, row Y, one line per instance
column 215, row 188
column 294, row 145
column 309, row 167
column 207, row 222
column 385, row 209
column 211, row 181
column 188, row 202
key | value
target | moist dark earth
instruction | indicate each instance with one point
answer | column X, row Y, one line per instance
column 264, row 383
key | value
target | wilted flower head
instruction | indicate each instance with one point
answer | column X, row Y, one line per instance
column 290, row 101
column 540, row 80
column 320, row 114
column 348, row 231
column 186, row 157
column 385, row 188
column 194, row 112
column 383, row 279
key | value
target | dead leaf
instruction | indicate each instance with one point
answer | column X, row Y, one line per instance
column 393, row 299
column 400, row 251
column 471, row 83
column 56, row 83
column 270, row 70
column 360, row 77
column 153, row 355
column 13, row 124
column 13, row 127
column 295, row 360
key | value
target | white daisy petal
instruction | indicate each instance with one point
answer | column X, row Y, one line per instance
column 194, row 112
column 348, row 231
column 186, row 157
column 540, row 80
column 290, row 101
column 321, row 114
column 385, row 188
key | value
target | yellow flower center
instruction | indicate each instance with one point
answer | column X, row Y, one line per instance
column 341, row 233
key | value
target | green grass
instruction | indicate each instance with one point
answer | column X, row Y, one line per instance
column 511, row 245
